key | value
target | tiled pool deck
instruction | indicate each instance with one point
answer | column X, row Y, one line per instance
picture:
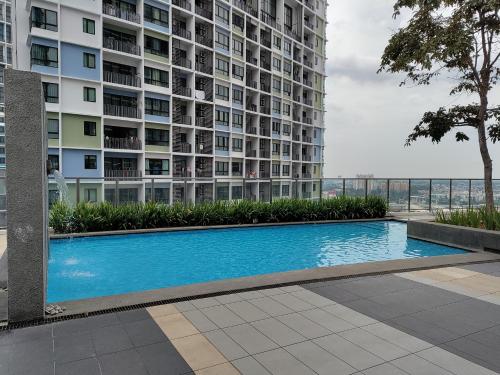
column 440, row 321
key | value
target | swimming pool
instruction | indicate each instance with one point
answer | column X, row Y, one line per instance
column 108, row 265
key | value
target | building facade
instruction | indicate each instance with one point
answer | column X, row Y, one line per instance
column 186, row 100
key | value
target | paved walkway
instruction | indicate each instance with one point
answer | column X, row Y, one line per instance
column 443, row 321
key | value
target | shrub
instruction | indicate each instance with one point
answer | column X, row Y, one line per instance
column 95, row 217
column 476, row 218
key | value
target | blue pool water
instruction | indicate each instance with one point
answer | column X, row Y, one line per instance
column 98, row 266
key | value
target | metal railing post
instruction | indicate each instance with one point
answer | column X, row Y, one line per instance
column 366, row 189
column 244, row 188
column 409, row 195
column 320, row 189
column 470, row 194
column 296, row 188
column 153, row 190
column 185, row 191
column 77, row 190
column 214, row 193
column 343, row 187
column 449, row 197
column 116, row 191
column 388, row 192
column 270, row 190
column 430, row 195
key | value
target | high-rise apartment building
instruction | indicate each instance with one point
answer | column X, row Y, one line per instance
column 229, row 94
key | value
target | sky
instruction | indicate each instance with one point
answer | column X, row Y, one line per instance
column 369, row 116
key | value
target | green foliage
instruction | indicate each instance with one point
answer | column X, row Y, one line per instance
column 475, row 218
column 95, row 217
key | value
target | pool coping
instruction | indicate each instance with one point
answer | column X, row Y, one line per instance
column 54, row 236
column 214, row 288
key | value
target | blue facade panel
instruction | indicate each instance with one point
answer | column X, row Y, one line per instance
column 72, row 62
column 73, row 163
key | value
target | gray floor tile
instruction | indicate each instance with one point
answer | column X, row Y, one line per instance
column 222, row 316
column 252, row 294
column 127, row 362
column 249, row 366
column 226, row 345
column 292, row 302
column 162, row 359
column 272, row 291
column 229, row 298
column 373, row 309
column 278, row 332
column 246, row 311
column 453, row 363
column 354, row 355
column 384, row 369
column 199, row 320
column 450, row 323
column 397, row 337
column 205, row 302
column 184, row 306
column 28, row 355
column 292, row 288
column 423, row 330
column 25, row 334
column 349, row 315
column 335, row 293
column 327, row 320
column 87, row 366
column 374, row 344
column 70, row 327
column 488, row 338
column 319, row 360
column 250, row 339
column 103, row 320
column 475, row 349
column 280, row 362
column 73, row 347
column 110, row 339
column 144, row 332
column 46, row 368
column 270, row 306
column 304, row 326
column 133, row 315
column 313, row 298
column 415, row 365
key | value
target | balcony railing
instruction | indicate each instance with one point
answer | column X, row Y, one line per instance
column 129, row 143
column 182, row 4
column 309, row 24
column 204, row 122
column 182, row 147
column 306, row 139
column 181, row 90
column 251, row 130
column 122, row 79
column 264, row 154
column 308, row 63
column 126, row 173
column 252, row 84
column 113, row 11
column 203, row 68
column 252, row 60
column 203, row 39
column 269, row 20
column 202, row 11
column 121, row 111
column 251, row 153
column 182, row 119
column 308, row 44
column 121, row 46
column 180, row 31
column 203, row 148
column 243, row 6
column 181, row 61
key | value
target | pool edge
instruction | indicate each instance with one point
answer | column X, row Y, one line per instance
column 174, row 294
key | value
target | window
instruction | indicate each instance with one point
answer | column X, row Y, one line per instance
column 288, row 16
column 286, row 170
column 277, row 41
column 221, row 168
column 221, row 92
column 157, row 137
column 90, row 195
column 156, row 107
column 287, row 46
column 237, row 96
column 221, row 117
column 44, row 55
column 238, row 72
column 221, row 40
column 237, row 144
column 157, row 166
column 53, row 128
column 275, row 169
column 155, row 77
column 276, row 84
column 90, row 162
column 221, row 143
column 287, row 88
column 237, row 192
column 277, row 64
column 222, row 66
column 89, row 94
column 286, row 109
column 237, row 120
column 89, row 128
column 285, row 190
column 51, row 92
column 221, row 13
column 276, row 106
column 89, row 60
column 155, row 46
column 276, row 148
column 276, row 127
column 155, row 15
column 88, row 26
column 237, row 47
column 286, row 149
column 53, row 161
column 287, row 67
column 43, row 19
column 161, row 195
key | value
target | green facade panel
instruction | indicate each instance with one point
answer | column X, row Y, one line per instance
column 73, row 135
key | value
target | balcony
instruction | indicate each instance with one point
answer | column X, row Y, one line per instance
column 121, row 46
column 203, row 68
column 269, row 20
column 180, row 31
column 203, row 39
column 252, row 60
column 204, row 122
column 309, row 24
column 204, row 172
column 306, row 157
column 121, row 111
column 182, row 4
column 252, row 84
column 263, row 174
column 306, row 139
column 113, row 11
column 243, row 6
column 181, row 90
column 181, row 119
column 308, row 82
column 128, row 173
column 251, row 153
column 309, row 4
column 182, row 147
column 264, row 132
column 264, row 154
column 129, row 143
column 251, row 107
column 306, row 175
column 203, row 10
column 181, row 61
column 265, row 110
column 308, row 102
column 307, row 120
column 122, row 79
column 308, row 63
column 310, row 45
column 265, row 86
column 296, row 138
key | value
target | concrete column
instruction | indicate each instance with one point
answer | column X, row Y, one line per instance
column 27, row 198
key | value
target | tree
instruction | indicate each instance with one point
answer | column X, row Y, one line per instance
column 460, row 38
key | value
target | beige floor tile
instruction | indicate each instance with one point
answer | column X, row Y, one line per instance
column 198, row 352
column 492, row 298
column 484, row 283
column 224, row 369
column 162, row 310
column 433, row 275
column 175, row 326
column 455, row 272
